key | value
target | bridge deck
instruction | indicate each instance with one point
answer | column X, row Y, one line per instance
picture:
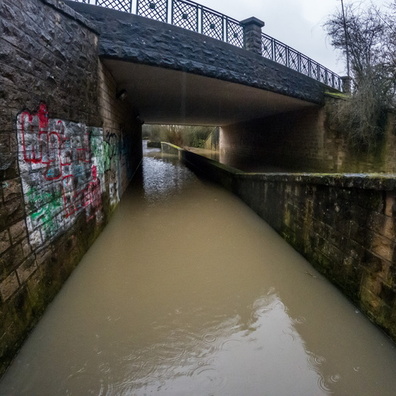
column 173, row 75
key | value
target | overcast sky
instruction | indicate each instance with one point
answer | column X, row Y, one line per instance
column 297, row 23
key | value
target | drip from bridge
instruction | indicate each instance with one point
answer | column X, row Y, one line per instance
column 187, row 291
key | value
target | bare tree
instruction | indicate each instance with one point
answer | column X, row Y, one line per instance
column 367, row 38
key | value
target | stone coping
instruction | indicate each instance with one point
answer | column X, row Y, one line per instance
column 64, row 8
column 365, row 181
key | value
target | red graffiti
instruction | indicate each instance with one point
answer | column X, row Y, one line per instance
column 88, row 197
column 44, row 142
column 92, row 195
column 33, row 127
column 64, row 152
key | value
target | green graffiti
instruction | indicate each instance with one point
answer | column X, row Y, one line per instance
column 46, row 206
column 98, row 153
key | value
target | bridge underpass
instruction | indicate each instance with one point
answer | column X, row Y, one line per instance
column 166, row 96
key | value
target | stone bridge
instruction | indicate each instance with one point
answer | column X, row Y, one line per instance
column 175, row 75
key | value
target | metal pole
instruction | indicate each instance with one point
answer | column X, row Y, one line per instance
column 346, row 37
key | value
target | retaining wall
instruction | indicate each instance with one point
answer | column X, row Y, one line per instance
column 302, row 141
column 68, row 149
column 344, row 224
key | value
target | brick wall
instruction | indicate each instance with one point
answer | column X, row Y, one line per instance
column 122, row 148
column 68, row 149
column 344, row 225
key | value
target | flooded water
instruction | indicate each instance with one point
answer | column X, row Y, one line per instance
column 188, row 292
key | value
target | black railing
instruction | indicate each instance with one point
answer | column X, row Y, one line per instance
column 287, row 56
column 198, row 18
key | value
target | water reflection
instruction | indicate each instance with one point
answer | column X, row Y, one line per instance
column 196, row 351
column 238, row 358
column 187, row 291
column 164, row 177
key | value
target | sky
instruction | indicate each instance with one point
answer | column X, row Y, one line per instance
column 297, row 23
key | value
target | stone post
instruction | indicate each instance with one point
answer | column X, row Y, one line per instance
column 252, row 34
column 346, row 84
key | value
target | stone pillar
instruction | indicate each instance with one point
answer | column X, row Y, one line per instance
column 346, row 84
column 252, row 34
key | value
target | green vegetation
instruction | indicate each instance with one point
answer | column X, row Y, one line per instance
column 179, row 135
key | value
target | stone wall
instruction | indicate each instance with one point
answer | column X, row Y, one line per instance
column 344, row 225
column 302, row 142
column 64, row 144
column 122, row 138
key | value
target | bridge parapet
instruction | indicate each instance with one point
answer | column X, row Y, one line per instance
column 192, row 16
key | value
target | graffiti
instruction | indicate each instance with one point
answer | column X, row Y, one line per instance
column 65, row 168
column 44, row 216
column 111, row 152
column 60, row 173
column 53, row 144
column 126, row 152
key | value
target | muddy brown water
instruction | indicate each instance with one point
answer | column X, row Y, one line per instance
column 188, row 292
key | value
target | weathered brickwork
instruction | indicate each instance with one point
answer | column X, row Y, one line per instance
column 122, row 147
column 302, row 142
column 68, row 148
column 344, row 225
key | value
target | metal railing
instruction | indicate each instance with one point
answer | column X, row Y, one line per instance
column 195, row 17
column 287, row 56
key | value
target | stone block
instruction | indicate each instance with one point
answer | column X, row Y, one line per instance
column 5, row 242
column 26, row 269
column 18, row 231
column 381, row 246
column 7, row 152
column 357, row 233
column 388, row 294
column 43, row 255
column 10, row 212
column 372, row 263
column 10, row 259
column 383, row 225
column 26, row 247
column 12, row 189
column 390, row 204
column 9, row 286
column 371, row 303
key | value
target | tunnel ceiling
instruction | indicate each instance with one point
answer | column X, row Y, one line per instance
column 165, row 96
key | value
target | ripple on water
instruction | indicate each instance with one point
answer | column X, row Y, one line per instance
column 334, row 378
column 299, row 320
column 209, row 338
column 314, row 360
column 322, row 384
column 83, row 380
column 229, row 344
